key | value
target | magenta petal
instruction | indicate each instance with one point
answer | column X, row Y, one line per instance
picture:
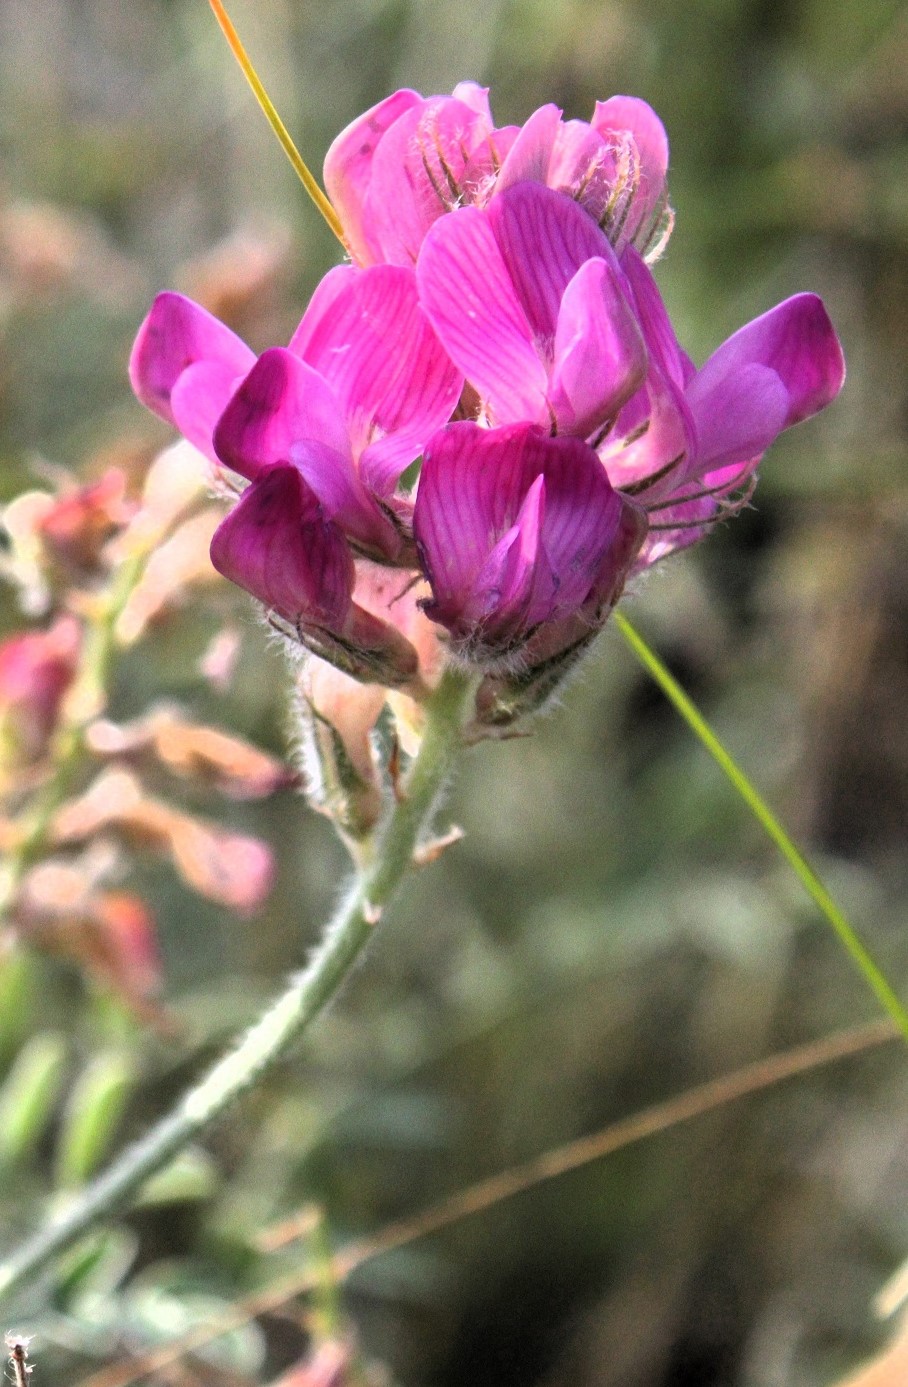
column 661, row 342
column 176, row 334
column 584, row 518
column 281, row 402
column 277, row 544
column 515, row 588
column 417, row 173
column 737, row 416
column 470, row 300
column 285, row 412
column 583, row 166
column 477, row 98
column 336, row 483
column 654, row 431
column 514, row 528
column 797, row 341
column 600, row 356
column 543, row 238
column 629, row 115
column 530, row 155
column 372, row 343
column 348, row 169
column 331, row 287
column 198, row 400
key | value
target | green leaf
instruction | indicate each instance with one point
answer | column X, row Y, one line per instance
column 94, row 1268
column 29, row 1095
column 191, row 1175
column 92, row 1114
column 157, row 1313
column 17, row 981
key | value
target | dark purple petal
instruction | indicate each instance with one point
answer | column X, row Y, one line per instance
column 348, row 169
column 797, row 341
column 346, row 501
column 277, row 544
column 584, row 519
column 284, row 411
column 176, row 335
column 515, row 587
column 600, row 355
column 514, row 528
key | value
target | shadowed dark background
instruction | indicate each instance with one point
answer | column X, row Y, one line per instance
column 614, row 927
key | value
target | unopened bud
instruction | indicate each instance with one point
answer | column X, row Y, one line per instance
column 367, row 649
column 335, row 718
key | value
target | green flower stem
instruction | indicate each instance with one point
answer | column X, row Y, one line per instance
column 307, row 993
column 871, row 971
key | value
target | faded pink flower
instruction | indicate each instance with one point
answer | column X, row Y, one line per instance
column 36, row 669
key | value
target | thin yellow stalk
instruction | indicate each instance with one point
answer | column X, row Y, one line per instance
column 306, row 177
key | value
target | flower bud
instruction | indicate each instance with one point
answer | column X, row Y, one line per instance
column 335, row 717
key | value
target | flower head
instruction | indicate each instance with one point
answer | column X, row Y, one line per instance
column 501, row 334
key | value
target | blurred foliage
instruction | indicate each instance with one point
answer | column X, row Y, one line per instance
column 613, row 928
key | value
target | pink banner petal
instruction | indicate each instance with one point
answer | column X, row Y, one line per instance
column 373, row 344
column 469, row 297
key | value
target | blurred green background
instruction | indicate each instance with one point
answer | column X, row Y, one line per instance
column 614, row 928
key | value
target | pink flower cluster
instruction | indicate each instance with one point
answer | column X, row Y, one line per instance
column 498, row 324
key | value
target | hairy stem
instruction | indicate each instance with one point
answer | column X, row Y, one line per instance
column 305, row 996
